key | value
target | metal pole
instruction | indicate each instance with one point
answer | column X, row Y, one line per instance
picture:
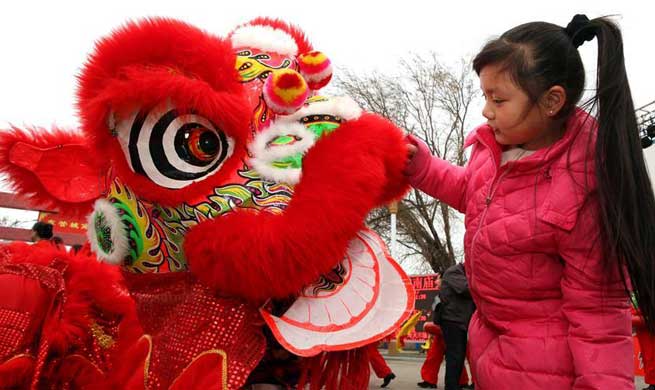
column 393, row 210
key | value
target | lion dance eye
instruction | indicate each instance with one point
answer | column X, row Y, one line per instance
column 198, row 146
column 174, row 150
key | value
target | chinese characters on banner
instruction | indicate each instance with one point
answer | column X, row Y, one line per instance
column 63, row 224
column 425, row 287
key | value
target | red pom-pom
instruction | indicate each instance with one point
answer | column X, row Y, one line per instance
column 285, row 91
column 316, row 68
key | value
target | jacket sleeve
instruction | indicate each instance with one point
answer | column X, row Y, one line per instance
column 596, row 306
column 436, row 177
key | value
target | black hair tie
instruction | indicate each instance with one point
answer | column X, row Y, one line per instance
column 580, row 30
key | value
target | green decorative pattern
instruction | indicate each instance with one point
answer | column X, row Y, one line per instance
column 103, row 233
column 156, row 233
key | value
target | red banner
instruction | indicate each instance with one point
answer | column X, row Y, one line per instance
column 425, row 287
column 62, row 224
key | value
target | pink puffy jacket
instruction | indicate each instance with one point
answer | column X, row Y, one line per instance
column 551, row 314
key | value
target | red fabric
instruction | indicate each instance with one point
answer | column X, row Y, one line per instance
column 55, row 306
column 379, row 365
column 637, row 319
column 23, row 303
column 432, row 328
column 17, row 372
column 53, row 169
column 433, row 360
column 546, row 302
column 131, row 372
column 183, row 321
column 343, row 370
column 140, row 66
column 208, row 371
column 337, row 171
column 647, row 344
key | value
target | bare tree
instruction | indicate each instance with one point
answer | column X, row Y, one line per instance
column 9, row 222
column 432, row 102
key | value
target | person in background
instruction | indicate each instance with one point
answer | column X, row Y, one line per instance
column 454, row 314
column 434, row 358
column 379, row 365
column 42, row 231
column 57, row 241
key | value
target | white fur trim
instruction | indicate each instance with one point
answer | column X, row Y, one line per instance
column 265, row 38
column 117, row 233
column 318, row 76
column 342, row 106
column 264, row 156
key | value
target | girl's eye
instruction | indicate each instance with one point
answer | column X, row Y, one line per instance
column 498, row 101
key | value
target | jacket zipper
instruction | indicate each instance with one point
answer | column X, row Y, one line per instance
column 495, row 183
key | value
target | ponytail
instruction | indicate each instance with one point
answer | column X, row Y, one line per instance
column 627, row 204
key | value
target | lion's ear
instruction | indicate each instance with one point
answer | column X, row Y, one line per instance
column 55, row 169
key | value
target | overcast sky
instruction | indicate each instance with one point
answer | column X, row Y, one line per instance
column 43, row 44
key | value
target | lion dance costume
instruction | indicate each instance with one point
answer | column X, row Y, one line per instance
column 225, row 202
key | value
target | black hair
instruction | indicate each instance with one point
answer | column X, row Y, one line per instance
column 57, row 241
column 538, row 56
column 43, row 230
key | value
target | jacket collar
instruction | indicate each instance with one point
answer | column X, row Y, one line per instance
column 579, row 128
column 568, row 164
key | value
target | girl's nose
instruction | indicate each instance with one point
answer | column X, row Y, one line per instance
column 487, row 112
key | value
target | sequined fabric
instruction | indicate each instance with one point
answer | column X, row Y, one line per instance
column 11, row 336
column 18, row 326
column 185, row 319
column 26, row 333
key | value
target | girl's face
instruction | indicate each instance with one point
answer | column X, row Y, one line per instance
column 515, row 119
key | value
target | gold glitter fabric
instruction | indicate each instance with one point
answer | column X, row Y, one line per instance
column 12, row 334
column 28, row 291
column 35, row 350
column 186, row 320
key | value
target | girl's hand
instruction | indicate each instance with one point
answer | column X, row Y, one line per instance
column 411, row 150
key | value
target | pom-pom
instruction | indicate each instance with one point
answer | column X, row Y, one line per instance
column 285, row 91
column 316, row 68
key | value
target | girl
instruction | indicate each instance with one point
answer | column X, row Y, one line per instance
column 560, row 213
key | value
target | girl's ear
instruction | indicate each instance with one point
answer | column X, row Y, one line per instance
column 553, row 100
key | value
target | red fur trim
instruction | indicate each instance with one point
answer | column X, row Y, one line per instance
column 90, row 285
column 345, row 176
column 33, row 176
column 344, row 370
column 153, row 61
column 296, row 33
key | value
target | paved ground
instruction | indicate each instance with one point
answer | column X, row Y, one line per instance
column 407, row 368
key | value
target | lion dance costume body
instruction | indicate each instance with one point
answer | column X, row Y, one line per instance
column 225, row 202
